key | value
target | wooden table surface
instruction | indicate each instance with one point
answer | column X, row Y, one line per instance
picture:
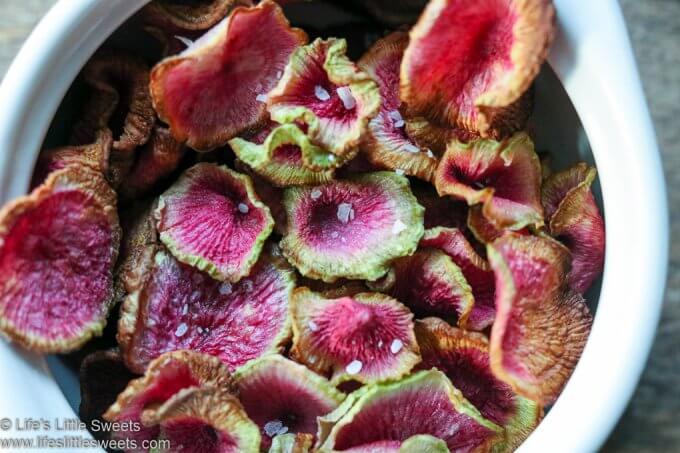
column 650, row 423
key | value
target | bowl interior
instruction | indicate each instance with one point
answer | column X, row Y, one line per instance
column 555, row 127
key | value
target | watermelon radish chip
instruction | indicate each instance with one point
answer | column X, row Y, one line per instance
column 184, row 17
column 164, row 378
column 198, row 420
column 429, row 282
column 351, row 228
column 94, row 155
column 469, row 64
column 387, row 144
column 58, row 248
column 365, row 337
column 541, row 325
column 206, row 94
column 155, row 162
column 475, row 269
column 179, row 307
column 212, row 219
column 322, row 89
column 504, row 177
column 464, row 357
column 119, row 101
column 574, row 218
column 287, row 157
column 383, row 416
column 282, row 396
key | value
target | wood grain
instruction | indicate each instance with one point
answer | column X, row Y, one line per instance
column 650, row 423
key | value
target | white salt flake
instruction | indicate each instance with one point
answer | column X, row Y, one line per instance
column 321, row 93
column 395, row 115
column 185, row 309
column 316, row 193
column 261, row 98
column 346, row 97
column 314, row 327
column 331, row 157
column 399, row 171
column 380, row 343
column 396, row 346
column 345, row 212
column 186, row 41
column 354, row 367
column 335, row 234
column 200, row 329
column 398, row 227
column 225, row 288
column 273, row 427
column 243, row 208
column 279, row 74
column 430, row 154
column 181, row 330
column 283, row 430
column 411, row 148
column 397, row 120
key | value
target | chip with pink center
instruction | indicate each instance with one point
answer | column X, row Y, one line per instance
column 387, row 144
column 365, row 337
column 475, row 269
column 574, row 218
column 541, row 325
column 504, row 177
column 164, row 378
column 212, row 219
column 200, row 420
column 351, row 228
column 282, row 396
column 470, row 64
column 464, row 357
column 430, row 283
column 175, row 306
column 386, row 415
column 287, row 157
column 212, row 91
column 322, row 89
column 58, row 248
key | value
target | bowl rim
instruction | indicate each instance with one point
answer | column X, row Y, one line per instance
column 602, row 82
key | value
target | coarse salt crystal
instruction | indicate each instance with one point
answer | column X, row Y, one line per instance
column 346, row 97
column 283, row 430
column 225, row 288
column 398, row 227
column 243, row 208
column 261, row 98
column 185, row 309
column 399, row 171
column 316, row 193
column 395, row 115
column 279, row 74
column 313, row 326
column 354, row 367
column 181, row 330
column 345, row 212
column 396, row 346
column 331, row 157
column 273, row 427
column 411, row 148
column 321, row 93
column 335, row 234
column 430, row 153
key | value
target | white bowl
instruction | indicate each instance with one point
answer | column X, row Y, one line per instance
column 592, row 58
